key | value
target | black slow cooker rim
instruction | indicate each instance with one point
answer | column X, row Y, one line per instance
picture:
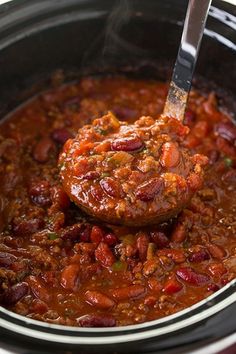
column 199, row 312
column 66, row 334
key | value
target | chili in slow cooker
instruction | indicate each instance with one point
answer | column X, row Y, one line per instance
column 61, row 266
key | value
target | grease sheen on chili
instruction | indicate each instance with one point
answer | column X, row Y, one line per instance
column 61, row 266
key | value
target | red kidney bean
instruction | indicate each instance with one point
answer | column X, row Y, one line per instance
column 112, row 187
column 6, row 259
column 97, row 234
column 160, row 239
column 189, row 275
column 13, row 294
column 217, row 269
column 91, row 175
column 200, row 129
column 148, row 190
column 227, row 131
column 216, row 251
column 179, row 233
column 40, row 193
column 199, row 256
column 42, row 149
column 38, row 306
column 104, row 255
column 110, row 239
column 142, row 246
column 73, row 232
column 99, row 300
column 61, row 135
column 85, row 234
column 128, row 292
column 96, row 320
column 170, row 155
column 26, row 227
column 70, row 276
column 38, row 289
column 129, row 143
column 172, row 286
column 213, row 287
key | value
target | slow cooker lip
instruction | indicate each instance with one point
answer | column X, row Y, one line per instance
column 157, row 328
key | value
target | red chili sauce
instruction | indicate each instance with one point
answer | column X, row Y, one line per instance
column 61, row 266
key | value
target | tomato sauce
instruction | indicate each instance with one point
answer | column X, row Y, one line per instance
column 61, row 266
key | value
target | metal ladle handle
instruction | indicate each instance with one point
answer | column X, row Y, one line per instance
column 181, row 80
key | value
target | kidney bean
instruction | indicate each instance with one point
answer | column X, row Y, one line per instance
column 85, row 234
column 110, row 239
column 27, row 227
column 213, row 287
column 216, row 251
column 217, row 269
column 160, row 239
column 104, row 255
column 179, row 233
column 177, row 255
column 112, row 187
column 97, row 192
column 172, row 286
column 150, row 301
column 148, row 190
column 61, row 135
column 99, row 300
column 170, row 155
column 91, row 175
column 199, row 256
column 96, row 320
column 13, row 294
column 42, row 149
column 128, row 292
column 73, row 232
column 142, row 246
column 40, row 193
column 6, row 259
column 38, row 306
column 194, row 181
column 70, row 276
column 97, row 234
column 38, row 289
column 129, row 143
column 189, row 275
column 150, row 266
column 227, row 131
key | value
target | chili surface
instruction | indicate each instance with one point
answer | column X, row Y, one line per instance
column 61, row 266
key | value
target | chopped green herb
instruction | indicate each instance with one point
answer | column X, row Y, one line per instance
column 52, row 236
column 228, row 161
column 100, row 131
column 105, row 174
column 119, row 266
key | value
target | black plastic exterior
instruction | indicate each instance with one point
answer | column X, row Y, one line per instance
column 141, row 38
